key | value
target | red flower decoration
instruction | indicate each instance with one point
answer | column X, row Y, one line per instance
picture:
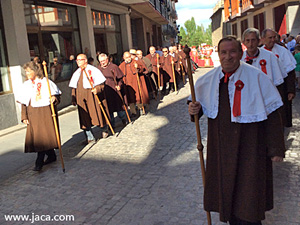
column 239, row 85
column 262, row 62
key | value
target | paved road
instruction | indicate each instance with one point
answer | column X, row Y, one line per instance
column 149, row 174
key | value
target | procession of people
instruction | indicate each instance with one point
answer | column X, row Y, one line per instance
column 247, row 100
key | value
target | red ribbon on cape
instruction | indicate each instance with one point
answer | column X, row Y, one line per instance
column 90, row 77
column 236, row 109
column 263, row 64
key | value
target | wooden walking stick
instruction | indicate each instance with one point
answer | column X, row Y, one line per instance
column 173, row 71
column 158, row 72
column 100, row 104
column 54, row 119
column 139, row 86
column 182, row 69
column 119, row 93
column 199, row 146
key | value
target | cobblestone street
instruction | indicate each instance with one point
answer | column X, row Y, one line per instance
column 149, row 174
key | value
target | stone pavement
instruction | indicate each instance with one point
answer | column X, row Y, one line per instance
column 148, row 175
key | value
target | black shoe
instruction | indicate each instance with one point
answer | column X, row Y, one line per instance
column 124, row 121
column 37, row 168
column 133, row 116
column 49, row 160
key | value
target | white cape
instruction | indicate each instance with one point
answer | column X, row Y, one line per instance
column 286, row 58
column 97, row 76
column 272, row 65
column 27, row 94
column 259, row 96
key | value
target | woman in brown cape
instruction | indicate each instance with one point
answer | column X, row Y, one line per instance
column 36, row 114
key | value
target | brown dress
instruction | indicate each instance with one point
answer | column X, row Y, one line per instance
column 113, row 99
column 40, row 133
column 239, row 168
column 153, row 59
column 89, row 110
column 166, row 67
column 182, row 59
column 130, row 80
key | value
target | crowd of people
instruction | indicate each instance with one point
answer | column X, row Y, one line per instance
column 247, row 100
column 100, row 92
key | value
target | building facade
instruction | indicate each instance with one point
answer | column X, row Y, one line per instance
column 237, row 15
column 56, row 30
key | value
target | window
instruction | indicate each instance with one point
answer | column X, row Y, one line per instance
column 107, row 33
column 234, row 29
column 53, row 36
column 244, row 25
column 259, row 22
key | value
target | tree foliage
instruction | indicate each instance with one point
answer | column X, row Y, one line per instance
column 194, row 34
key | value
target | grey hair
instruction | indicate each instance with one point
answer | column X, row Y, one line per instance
column 249, row 31
column 102, row 55
column 264, row 32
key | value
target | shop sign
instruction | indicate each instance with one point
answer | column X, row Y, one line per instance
column 72, row 2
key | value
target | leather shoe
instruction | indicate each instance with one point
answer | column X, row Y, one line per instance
column 124, row 121
column 37, row 168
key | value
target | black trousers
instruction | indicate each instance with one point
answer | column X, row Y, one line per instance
column 41, row 155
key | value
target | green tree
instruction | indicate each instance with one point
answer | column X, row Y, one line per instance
column 193, row 34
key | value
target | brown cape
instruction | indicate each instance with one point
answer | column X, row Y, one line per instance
column 239, row 168
column 113, row 99
column 130, row 80
column 88, row 107
column 40, row 133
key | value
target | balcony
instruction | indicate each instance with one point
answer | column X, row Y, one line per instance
column 169, row 31
column 153, row 9
column 247, row 6
column 257, row 2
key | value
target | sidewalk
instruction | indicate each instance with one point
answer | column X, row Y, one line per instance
column 148, row 175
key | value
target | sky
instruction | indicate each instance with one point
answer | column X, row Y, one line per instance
column 201, row 10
